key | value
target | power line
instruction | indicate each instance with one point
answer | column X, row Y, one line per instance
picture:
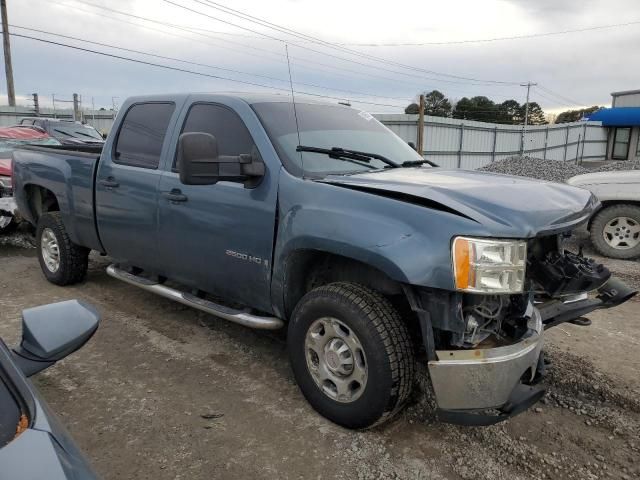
column 551, row 92
column 202, row 74
column 267, row 24
column 253, row 48
column 551, row 99
column 495, row 39
column 355, row 92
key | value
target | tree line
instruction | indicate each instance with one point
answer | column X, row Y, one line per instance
column 483, row 109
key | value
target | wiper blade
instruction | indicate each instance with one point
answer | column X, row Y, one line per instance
column 62, row 132
column 416, row 163
column 341, row 153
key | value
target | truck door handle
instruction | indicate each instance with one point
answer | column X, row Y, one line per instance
column 109, row 183
column 175, row 195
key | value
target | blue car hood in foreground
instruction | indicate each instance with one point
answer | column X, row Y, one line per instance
column 505, row 205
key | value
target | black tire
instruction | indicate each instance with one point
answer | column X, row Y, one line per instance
column 601, row 220
column 385, row 341
column 73, row 259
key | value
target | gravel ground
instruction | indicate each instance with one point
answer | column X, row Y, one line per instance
column 550, row 170
column 165, row 392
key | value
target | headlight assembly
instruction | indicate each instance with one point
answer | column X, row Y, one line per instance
column 489, row 266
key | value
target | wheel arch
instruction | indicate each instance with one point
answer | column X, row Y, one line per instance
column 305, row 269
column 610, row 203
column 39, row 200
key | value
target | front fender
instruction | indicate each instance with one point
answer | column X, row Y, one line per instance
column 409, row 243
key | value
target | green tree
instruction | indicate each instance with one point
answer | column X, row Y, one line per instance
column 536, row 114
column 576, row 115
column 510, row 113
column 480, row 108
column 437, row 105
column 412, row 108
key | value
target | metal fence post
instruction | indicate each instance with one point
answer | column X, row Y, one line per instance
column 546, row 141
column 566, row 144
column 584, row 139
column 420, row 132
column 460, row 147
column 495, row 141
column 578, row 148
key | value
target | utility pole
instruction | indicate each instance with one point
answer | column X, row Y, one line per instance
column 76, row 107
column 526, row 115
column 420, row 132
column 8, row 69
column 36, row 104
column 53, row 100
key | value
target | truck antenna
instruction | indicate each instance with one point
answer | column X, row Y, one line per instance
column 293, row 98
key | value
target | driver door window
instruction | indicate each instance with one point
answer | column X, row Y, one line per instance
column 230, row 132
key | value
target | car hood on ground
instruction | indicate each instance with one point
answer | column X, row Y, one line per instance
column 506, row 205
column 617, row 176
column 5, row 167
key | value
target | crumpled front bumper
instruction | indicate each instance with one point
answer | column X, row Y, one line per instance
column 470, row 383
column 489, row 378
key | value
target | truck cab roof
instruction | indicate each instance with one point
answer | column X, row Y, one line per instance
column 248, row 97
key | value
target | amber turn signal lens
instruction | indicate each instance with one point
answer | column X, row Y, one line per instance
column 463, row 257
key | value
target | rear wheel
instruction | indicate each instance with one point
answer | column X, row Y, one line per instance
column 62, row 262
column 615, row 231
column 7, row 223
column 351, row 354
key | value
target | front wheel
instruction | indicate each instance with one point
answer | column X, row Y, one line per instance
column 62, row 261
column 615, row 231
column 351, row 354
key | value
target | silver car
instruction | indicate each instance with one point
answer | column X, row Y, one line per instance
column 33, row 443
column 615, row 229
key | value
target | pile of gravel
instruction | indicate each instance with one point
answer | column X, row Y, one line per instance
column 549, row 170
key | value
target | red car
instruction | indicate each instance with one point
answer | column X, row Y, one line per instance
column 10, row 138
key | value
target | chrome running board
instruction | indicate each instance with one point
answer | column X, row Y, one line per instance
column 233, row 315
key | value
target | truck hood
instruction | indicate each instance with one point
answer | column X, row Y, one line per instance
column 505, row 205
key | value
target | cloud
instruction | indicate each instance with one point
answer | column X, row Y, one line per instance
column 584, row 67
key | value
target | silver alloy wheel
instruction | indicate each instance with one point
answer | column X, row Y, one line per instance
column 50, row 250
column 5, row 221
column 336, row 359
column 622, row 233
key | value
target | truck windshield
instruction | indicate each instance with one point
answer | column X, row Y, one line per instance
column 325, row 127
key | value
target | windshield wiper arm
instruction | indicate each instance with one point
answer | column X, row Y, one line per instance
column 416, row 163
column 341, row 153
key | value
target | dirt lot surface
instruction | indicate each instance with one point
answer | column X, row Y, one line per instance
column 165, row 392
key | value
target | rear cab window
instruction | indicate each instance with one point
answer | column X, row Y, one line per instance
column 142, row 133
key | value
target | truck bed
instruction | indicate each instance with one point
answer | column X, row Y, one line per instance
column 67, row 173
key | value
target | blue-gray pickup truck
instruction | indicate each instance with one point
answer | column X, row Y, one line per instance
column 317, row 217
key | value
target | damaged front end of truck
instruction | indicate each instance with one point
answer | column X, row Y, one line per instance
column 484, row 341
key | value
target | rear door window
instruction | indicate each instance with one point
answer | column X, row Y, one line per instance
column 140, row 139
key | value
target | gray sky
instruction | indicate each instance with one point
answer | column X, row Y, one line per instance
column 579, row 68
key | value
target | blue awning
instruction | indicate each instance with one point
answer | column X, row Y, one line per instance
column 617, row 117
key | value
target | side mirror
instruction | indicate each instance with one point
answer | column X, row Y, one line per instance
column 200, row 164
column 51, row 332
